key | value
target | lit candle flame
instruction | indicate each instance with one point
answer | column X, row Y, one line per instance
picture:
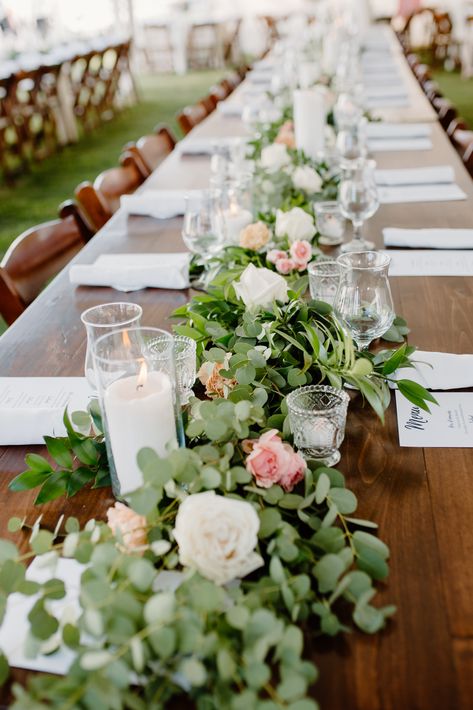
column 126, row 339
column 143, row 375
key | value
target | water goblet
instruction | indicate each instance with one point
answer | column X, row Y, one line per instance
column 351, row 144
column 358, row 200
column 317, row 417
column 185, row 361
column 203, row 230
column 363, row 301
column 103, row 319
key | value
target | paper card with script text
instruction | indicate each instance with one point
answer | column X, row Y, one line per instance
column 450, row 424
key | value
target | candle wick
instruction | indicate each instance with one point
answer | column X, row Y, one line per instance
column 139, row 387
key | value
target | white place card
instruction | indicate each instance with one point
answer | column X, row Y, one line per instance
column 448, row 425
column 32, row 407
column 425, row 262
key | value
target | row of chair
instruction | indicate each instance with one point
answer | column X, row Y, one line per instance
column 42, row 251
column 455, row 127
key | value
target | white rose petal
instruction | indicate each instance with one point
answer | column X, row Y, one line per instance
column 306, row 178
column 260, row 287
column 217, row 536
column 274, row 157
column 296, row 225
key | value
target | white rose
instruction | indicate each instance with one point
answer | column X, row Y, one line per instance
column 297, row 225
column 260, row 287
column 217, row 536
column 306, row 178
column 274, row 157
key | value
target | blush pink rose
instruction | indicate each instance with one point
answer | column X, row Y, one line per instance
column 301, row 252
column 275, row 254
column 284, row 266
column 273, row 461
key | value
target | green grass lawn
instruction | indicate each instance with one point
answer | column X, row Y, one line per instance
column 35, row 197
column 459, row 91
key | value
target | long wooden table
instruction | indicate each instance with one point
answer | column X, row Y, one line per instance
column 422, row 499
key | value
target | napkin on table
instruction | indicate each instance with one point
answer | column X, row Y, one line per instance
column 384, row 129
column 160, row 204
column 33, row 407
column 440, row 371
column 430, row 262
column 131, row 272
column 436, row 175
column 232, row 109
column 205, row 146
column 395, row 144
column 428, row 238
column 420, row 193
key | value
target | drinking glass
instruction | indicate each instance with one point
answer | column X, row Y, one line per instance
column 185, row 358
column 330, row 222
column 139, row 401
column 203, row 229
column 347, row 111
column 324, row 276
column 351, row 144
column 363, row 301
column 102, row 319
column 317, row 417
column 358, row 200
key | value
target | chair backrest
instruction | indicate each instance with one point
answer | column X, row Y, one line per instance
column 32, row 259
column 191, row 116
column 70, row 208
column 468, row 158
column 209, row 102
column 97, row 211
column 218, row 92
column 115, row 182
column 445, row 109
column 154, row 148
column 461, row 137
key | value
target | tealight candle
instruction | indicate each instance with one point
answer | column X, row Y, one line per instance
column 236, row 219
column 330, row 223
column 140, row 413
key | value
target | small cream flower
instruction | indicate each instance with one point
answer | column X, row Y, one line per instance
column 215, row 384
column 259, row 287
column 131, row 525
column 255, row 236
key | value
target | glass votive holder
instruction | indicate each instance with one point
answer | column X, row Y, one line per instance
column 139, row 402
column 330, row 223
column 317, row 417
column 103, row 319
column 185, row 359
column 324, row 277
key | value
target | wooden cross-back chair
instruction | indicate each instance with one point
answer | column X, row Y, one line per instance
column 32, row 260
column 191, row 116
column 150, row 150
column 446, row 111
column 101, row 199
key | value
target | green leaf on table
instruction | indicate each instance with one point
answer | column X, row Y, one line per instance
column 4, row 669
column 362, row 539
column 344, row 499
column 78, row 479
column 59, row 450
column 416, row 394
column 246, row 374
column 54, row 487
column 322, row 488
column 327, row 571
column 270, row 520
column 28, row 479
column 37, row 463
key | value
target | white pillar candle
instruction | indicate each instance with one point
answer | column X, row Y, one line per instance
column 309, row 121
column 309, row 74
column 330, row 53
column 140, row 413
column 236, row 219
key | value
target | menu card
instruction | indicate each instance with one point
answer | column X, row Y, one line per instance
column 32, row 407
column 448, row 425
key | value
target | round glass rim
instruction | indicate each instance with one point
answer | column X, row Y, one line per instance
column 115, row 361
column 111, row 303
column 386, row 260
column 191, row 347
column 333, row 205
column 341, row 394
column 359, row 164
column 335, row 270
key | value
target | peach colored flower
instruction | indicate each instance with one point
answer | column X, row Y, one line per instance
column 215, row 384
column 273, row 461
column 254, row 236
column 284, row 266
column 286, row 135
column 132, row 527
column 301, row 252
column 275, row 254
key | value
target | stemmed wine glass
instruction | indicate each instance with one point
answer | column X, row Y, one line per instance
column 203, row 230
column 363, row 301
column 351, row 144
column 358, row 200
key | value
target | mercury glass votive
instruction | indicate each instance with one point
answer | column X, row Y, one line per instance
column 185, row 361
column 324, row 277
column 330, row 223
column 317, row 417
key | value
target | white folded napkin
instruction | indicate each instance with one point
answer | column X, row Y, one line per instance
column 437, row 175
column 378, row 145
column 33, row 407
column 425, row 262
column 259, row 77
column 439, row 371
column 160, row 204
column 428, row 238
column 420, row 193
column 386, row 92
column 131, row 272
column 205, row 146
column 372, row 102
column 383, row 129
column 231, row 109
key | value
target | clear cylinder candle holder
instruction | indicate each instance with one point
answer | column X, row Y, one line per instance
column 139, row 401
column 103, row 319
column 185, row 358
column 330, row 222
column 317, row 417
column 324, row 277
